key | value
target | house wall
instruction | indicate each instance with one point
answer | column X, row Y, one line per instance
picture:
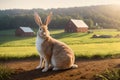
column 28, row 34
column 70, row 27
column 20, row 32
column 82, row 29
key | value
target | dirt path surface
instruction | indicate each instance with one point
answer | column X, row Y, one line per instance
column 25, row 70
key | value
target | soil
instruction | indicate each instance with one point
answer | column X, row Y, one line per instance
column 25, row 69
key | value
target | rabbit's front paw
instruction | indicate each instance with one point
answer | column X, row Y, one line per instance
column 45, row 70
column 38, row 67
column 55, row 69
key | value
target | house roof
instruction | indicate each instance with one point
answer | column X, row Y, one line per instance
column 79, row 23
column 26, row 29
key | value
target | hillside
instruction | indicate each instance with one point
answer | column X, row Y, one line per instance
column 106, row 16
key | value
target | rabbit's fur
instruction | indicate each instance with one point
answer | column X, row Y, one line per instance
column 52, row 51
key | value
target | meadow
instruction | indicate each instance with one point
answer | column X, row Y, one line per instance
column 12, row 47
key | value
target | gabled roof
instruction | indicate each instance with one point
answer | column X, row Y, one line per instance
column 26, row 29
column 79, row 23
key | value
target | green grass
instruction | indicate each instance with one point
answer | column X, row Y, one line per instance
column 101, row 50
column 5, row 73
column 7, row 53
column 109, row 75
column 7, row 32
column 81, row 43
column 85, row 38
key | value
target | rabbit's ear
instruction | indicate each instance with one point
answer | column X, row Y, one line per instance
column 37, row 19
column 48, row 19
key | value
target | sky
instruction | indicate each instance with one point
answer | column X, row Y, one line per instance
column 47, row 4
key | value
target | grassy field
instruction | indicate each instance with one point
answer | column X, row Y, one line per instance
column 81, row 43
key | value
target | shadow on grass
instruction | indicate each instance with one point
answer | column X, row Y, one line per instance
column 9, row 35
column 9, row 38
column 64, row 35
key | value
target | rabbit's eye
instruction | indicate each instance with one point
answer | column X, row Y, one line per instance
column 40, row 29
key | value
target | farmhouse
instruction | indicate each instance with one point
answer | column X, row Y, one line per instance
column 76, row 26
column 24, row 31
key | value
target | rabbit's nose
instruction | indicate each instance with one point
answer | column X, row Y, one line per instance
column 44, row 33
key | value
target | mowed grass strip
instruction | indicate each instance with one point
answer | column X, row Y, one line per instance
column 96, row 50
column 17, row 52
column 82, row 50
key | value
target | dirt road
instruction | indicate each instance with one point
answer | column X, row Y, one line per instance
column 25, row 70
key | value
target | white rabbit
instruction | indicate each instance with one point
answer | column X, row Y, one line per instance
column 53, row 52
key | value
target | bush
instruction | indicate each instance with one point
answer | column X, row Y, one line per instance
column 109, row 75
column 5, row 73
column 101, row 36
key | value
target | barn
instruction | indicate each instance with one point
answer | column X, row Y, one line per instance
column 24, row 31
column 76, row 26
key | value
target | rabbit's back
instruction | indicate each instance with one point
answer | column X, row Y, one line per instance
column 62, row 55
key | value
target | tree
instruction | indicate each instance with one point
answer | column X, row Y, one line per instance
column 90, row 23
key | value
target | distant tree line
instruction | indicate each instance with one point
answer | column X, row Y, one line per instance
column 104, row 16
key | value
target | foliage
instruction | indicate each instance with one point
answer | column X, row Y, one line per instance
column 109, row 75
column 106, row 16
column 90, row 23
column 5, row 73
